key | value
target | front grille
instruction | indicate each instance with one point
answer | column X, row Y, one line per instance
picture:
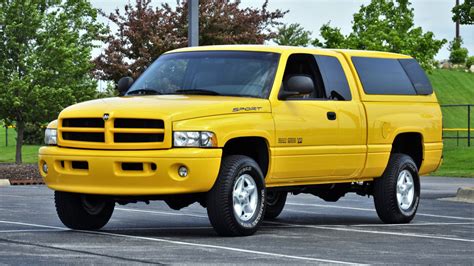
column 83, row 122
column 138, row 123
column 140, row 137
column 115, row 133
column 90, row 137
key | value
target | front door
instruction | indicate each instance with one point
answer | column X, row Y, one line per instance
column 306, row 128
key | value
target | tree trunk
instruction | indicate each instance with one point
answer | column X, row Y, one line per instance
column 458, row 35
column 20, row 129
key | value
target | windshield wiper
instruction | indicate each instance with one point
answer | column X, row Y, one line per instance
column 197, row 91
column 145, row 91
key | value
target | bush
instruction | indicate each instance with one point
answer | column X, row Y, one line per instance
column 469, row 62
column 458, row 56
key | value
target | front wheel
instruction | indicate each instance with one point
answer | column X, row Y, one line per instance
column 83, row 212
column 236, row 202
column 397, row 192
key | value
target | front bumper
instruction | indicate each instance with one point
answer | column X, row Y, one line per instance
column 102, row 171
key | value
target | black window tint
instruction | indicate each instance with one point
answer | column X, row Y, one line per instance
column 417, row 76
column 334, row 78
column 383, row 76
column 305, row 64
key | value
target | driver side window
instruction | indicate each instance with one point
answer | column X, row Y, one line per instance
column 326, row 72
column 304, row 64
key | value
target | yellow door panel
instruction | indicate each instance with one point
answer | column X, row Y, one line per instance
column 302, row 127
column 351, row 138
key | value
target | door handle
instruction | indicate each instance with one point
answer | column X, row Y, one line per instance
column 331, row 115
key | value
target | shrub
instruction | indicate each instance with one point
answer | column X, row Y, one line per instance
column 458, row 56
column 470, row 62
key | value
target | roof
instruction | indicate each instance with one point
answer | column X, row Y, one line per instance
column 289, row 49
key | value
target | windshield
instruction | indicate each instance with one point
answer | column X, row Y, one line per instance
column 228, row 73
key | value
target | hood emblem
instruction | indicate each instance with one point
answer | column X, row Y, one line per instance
column 106, row 117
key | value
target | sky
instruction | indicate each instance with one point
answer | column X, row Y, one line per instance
column 431, row 15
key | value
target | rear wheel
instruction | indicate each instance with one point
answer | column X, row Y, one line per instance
column 83, row 212
column 397, row 192
column 235, row 204
column 275, row 202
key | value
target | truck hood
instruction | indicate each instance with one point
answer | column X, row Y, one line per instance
column 167, row 107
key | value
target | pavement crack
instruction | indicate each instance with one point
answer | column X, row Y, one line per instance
column 16, row 242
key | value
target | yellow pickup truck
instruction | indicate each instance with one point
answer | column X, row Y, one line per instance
column 237, row 128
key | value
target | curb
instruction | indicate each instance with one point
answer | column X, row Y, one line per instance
column 4, row 182
column 464, row 194
column 36, row 181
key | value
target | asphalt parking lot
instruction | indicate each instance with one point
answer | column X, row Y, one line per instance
column 308, row 231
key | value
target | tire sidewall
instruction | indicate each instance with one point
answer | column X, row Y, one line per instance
column 248, row 167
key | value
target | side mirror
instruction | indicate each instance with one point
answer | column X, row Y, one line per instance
column 124, row 84
column 297, row 85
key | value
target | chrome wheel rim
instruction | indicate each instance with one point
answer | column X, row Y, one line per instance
column 245, row 197
column 405, row 190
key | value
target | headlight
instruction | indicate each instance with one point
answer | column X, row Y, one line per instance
column 50, row 136
column 194, row 139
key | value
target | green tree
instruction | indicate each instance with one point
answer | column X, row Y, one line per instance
column 385, row 25
column 458, row 54
column 45, row 49
column 464, row 13
column 145, row 32
column 293, row 35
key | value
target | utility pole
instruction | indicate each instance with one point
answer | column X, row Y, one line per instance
column 193, row 23
column 457, row 24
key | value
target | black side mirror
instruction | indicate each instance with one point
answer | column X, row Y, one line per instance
column 124, row 84
column 297, row 85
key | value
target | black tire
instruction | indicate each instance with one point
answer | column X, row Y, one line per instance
column 220, row 200
column 389, row 208
column 275, row 202
column 83, row 212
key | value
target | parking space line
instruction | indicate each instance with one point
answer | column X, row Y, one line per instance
column 157, row 228
column 388, row 225
column 339, row 228
column 373, row 210
column 346, row 229
column 31, row 230
column 262, row 253
column 410, row 224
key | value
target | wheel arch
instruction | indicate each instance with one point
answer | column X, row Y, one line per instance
column 411, row 144
column 255, row 147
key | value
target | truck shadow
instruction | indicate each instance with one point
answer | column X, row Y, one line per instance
column 280, row 226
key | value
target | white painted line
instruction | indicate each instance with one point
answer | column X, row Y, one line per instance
column 270, row 254
column 372, row 210
column 32, row 230
column 346, row 229
column 4, row 182
column 410, row 224
column 157, row 228
column 445, row 216
column 338, row 228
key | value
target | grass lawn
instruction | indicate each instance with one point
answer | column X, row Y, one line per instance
column 7, row 153
column 458, row 161
column 455, row 87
